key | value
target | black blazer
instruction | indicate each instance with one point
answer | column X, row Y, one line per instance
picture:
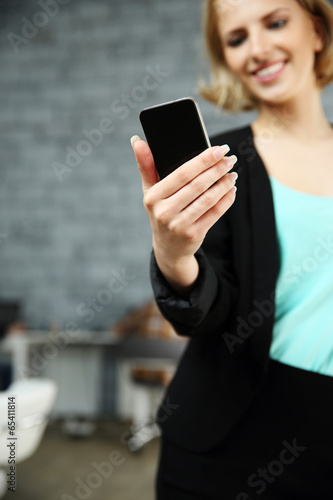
column 229, row 314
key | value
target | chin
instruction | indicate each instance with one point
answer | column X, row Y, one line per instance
column 274, row 98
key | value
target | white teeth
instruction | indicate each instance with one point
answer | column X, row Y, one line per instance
column 270, row 70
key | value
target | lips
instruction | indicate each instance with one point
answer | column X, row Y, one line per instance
column 269, row 72
column 269, row 68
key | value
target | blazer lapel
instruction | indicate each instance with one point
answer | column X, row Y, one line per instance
column 265, row 257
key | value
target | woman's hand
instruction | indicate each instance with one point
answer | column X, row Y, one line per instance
column 183, row 207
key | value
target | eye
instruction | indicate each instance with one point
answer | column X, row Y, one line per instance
column 236, row 42
column 277, row 24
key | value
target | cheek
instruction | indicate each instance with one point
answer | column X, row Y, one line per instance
column 302, row 52
column 234, row 60
column 297, row 43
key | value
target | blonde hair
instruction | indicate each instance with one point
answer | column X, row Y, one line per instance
column 226, row 90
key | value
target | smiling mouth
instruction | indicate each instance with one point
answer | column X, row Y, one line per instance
column 270, row 71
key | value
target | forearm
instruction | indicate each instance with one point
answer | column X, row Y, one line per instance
column 181, row 275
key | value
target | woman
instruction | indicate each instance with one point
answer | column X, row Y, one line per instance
column 247, row 276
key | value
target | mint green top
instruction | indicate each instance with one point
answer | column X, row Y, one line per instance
column 303, row 329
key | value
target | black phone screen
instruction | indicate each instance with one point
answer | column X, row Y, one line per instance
column 175, row 133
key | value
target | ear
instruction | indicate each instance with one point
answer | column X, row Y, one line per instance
column 318, row 34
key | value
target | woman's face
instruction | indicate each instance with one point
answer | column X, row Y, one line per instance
column 269, row 45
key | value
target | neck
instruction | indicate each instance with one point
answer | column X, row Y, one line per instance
column 301, row 118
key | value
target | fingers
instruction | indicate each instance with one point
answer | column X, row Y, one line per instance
column 191, row 169
column 183, row 175
column 200, row 184
column 206, row 221
column 145, row 163
column 209, row 204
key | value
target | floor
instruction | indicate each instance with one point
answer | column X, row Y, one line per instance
column 97, row 467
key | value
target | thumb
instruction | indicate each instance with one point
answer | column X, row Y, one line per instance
column 145, row 163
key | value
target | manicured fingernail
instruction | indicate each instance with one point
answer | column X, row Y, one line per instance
column 231, row 160
column 135, row 138
column 233, row 176
column 223, row 150
column 233, row 189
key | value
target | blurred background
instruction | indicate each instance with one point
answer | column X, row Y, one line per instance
column 81, row 339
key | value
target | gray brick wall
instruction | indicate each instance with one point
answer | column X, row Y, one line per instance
column 62, row 236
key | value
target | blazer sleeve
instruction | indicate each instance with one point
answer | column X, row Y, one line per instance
column 210, row 302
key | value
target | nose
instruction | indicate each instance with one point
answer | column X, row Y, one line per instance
column 259, row 45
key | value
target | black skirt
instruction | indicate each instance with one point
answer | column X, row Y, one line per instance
column 281, row 449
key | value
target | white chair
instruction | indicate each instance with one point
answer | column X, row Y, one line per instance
column 34, row 400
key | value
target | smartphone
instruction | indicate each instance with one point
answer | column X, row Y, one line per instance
column 175, row 133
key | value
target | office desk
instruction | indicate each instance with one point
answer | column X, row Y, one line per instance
column 92, row 370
